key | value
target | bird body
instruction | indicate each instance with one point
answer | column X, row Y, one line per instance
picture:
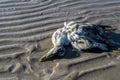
column 81, row 36
column 87, row 36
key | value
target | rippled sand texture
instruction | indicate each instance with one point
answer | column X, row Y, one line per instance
column 25, row 30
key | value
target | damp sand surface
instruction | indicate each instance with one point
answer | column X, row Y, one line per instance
column 26, row 27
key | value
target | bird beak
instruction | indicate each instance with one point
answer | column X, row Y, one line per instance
column 50, row 55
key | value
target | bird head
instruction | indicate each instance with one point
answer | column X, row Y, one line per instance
column 56, row 52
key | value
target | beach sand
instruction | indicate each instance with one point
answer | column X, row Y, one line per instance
column 26, row 27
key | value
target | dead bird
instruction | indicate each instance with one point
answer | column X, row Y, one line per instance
column 81, row 36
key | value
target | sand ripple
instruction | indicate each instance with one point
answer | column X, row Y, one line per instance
column 27, row 25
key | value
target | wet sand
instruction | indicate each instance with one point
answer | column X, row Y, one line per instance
column 26, row 27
